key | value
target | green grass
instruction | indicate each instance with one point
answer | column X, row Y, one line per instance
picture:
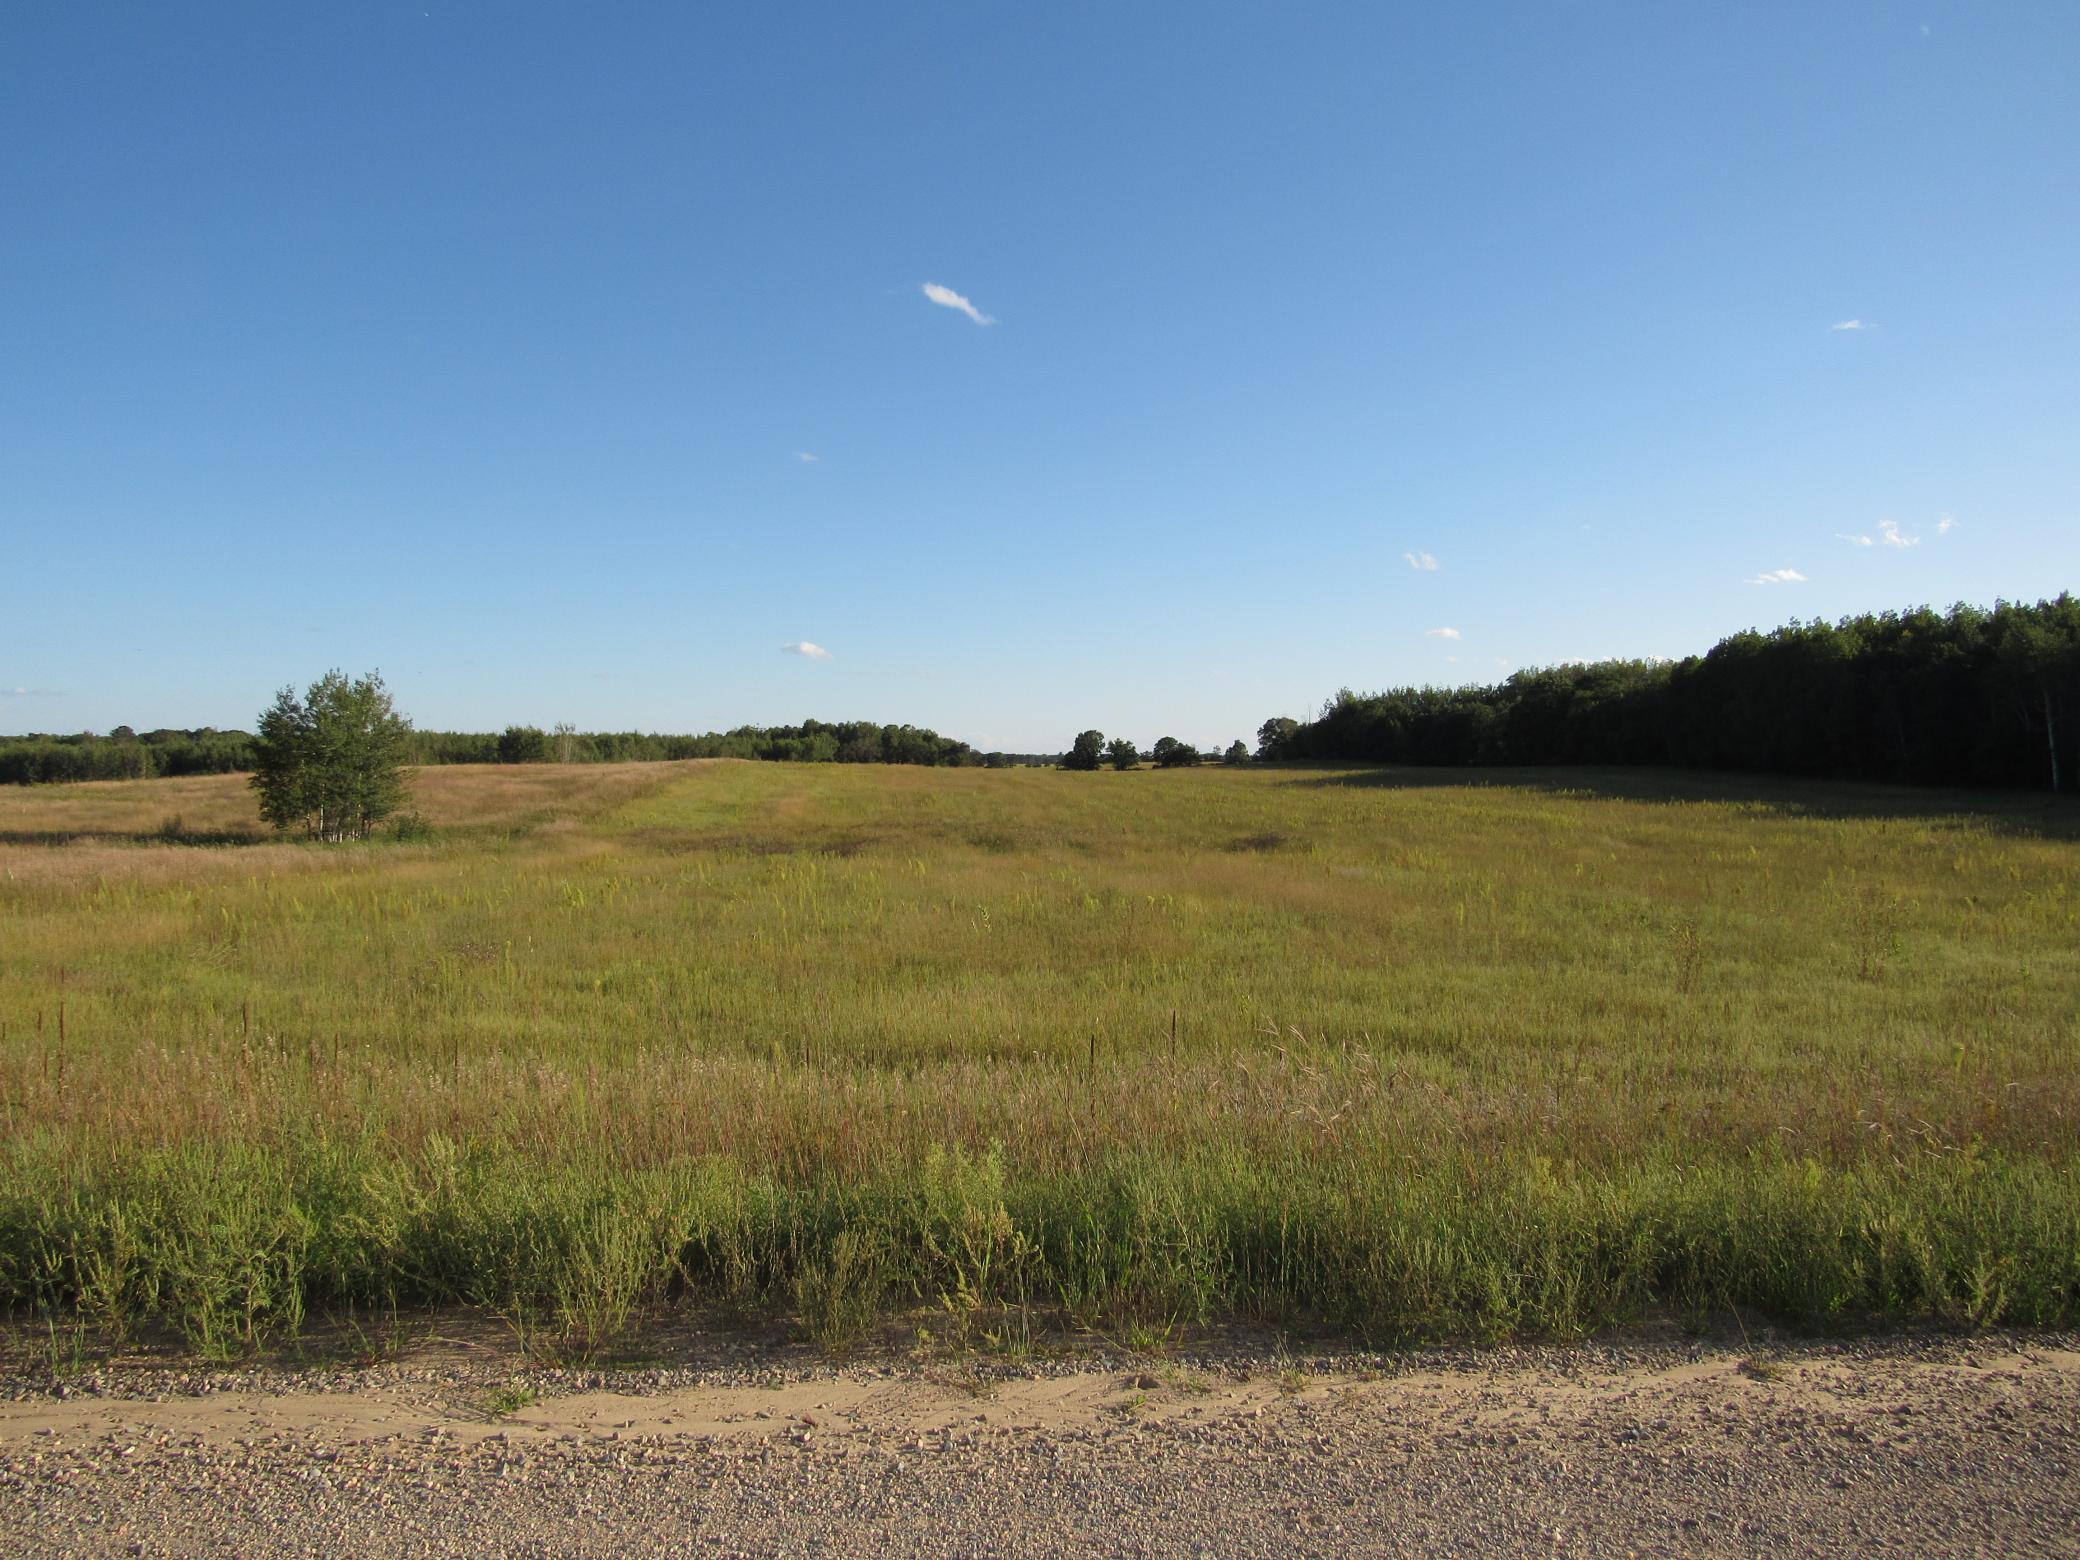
column 1388, row 1052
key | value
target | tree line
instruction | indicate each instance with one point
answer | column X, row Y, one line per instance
column 1091, row 751
column 1969, row 697
column 124, row 754
column 812, row 742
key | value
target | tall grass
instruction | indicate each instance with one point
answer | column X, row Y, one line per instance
column 233, row 1244
column 1404, row 1059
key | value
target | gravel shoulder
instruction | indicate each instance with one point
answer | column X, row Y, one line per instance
column 1932, row 1446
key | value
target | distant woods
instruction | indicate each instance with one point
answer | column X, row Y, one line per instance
column 124, row 754
column 1970, row 697
column 812, row 742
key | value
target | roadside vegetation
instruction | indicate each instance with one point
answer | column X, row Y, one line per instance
column 1379, row 1050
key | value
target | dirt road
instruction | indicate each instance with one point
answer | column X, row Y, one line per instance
column 1927, row 1447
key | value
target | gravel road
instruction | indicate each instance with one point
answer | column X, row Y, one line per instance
column 1922, row 1446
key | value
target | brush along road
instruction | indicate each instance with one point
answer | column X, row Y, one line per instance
column 1930, row 1446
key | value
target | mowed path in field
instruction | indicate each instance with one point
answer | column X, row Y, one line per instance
column 1930, row 1447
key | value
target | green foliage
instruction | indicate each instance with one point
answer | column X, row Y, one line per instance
column 1122, row 754
column 332, row 762
column 523, row 745
column 1086, row 752
column 235, row 1246
column 47, row 759
column 44, row 760
column 1169, row 753
column 1238, row 753
column 511, row 1398
column 1971, row 697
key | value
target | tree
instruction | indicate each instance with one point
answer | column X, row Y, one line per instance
column 1088, row 750
column 1122, row 754
column 2037, row 660
column 1274, row 734
column 331, row 762
column 523, row 745
column 1169, row 753
column 1237, row 753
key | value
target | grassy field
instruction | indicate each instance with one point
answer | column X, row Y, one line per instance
column 1386, row 1051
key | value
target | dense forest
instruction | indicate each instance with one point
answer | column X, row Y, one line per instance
column 124, row 754
column 1971, row 697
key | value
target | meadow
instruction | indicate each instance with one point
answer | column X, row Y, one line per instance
column 995, row 1053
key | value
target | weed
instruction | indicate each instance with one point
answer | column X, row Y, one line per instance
column 510, row 1399
column 975, row 1383
column 1186, row 1381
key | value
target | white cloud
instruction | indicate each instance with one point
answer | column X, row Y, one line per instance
column 947, row 298
column 1427, row 562
column 808, row 458
column 1442, row 633
column 1892, row 536
column 807, row 651
column 1853, row 325
column 1779, row 577
column 19, row 692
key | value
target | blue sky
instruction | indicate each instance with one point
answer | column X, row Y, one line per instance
column 482, row 344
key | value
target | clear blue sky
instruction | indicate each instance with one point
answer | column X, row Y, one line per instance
column 482, row 344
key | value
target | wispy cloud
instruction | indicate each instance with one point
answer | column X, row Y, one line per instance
column 1778, row 577
column 947, row 298
column 806, row 650
column 1853, row 325
column 1442, row 633
column 1427, row 562
column 1892, row 536
column 18, row 692
column 808, row 457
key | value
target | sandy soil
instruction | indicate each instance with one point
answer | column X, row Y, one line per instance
column 1925, row 1446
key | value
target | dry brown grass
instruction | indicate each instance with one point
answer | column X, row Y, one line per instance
column 207, row 828
column 221, row 808
column 211, row 805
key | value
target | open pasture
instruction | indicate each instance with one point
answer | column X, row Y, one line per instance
column 1394, row 1051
